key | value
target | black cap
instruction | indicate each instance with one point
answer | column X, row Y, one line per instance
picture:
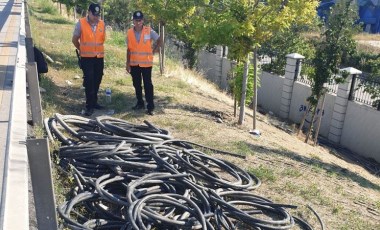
column 138, row 15
column 95, row 9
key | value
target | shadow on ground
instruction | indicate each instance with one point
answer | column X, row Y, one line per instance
column 329, row 168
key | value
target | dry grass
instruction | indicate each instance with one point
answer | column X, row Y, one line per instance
column 344, row 194
column 367, row 37
column 366, row 43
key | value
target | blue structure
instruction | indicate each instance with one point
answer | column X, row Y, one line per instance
column 369, row 13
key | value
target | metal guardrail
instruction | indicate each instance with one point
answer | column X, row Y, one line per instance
column 19, row 150
column 14, row 200
column 38, row 149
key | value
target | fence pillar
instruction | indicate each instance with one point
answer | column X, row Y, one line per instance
column 219, row 51
column 340, row 106
column 219, row 65
column 292, row 70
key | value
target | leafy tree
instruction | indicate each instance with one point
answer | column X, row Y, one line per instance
column 337, row 43
column 175, row 17
column 283, row 43
column 118, row 13
column 372, row 83
column 83, row 4
column 237, row 82
column 243, row 25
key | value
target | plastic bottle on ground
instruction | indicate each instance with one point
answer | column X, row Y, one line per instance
column 108, row 95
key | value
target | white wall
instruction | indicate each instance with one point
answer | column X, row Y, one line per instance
column 327, row 115
column 361, row 130
column 226, row 68
column 206, row 63
column 270, row 91
column 361, row 127
column 216, row 68
column 301, row 92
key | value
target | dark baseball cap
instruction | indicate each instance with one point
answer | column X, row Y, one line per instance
column 94, row 8
column 138, row 15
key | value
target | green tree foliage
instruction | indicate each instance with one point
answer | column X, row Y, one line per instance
column 243, row 24
column 167, row 11
column 117, row 13
column 337, row 43
column 371, row 83
column 237, row 82
column 81, row 4
column 179, row 18
column 283, row 43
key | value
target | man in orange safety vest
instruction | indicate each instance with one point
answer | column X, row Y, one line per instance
column 89, row 37
column 140, row 40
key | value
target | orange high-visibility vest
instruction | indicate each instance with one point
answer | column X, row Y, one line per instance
column 140, row 53
column 92, row 43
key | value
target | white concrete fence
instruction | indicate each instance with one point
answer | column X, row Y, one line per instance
column 351, row 124
column 215, row 66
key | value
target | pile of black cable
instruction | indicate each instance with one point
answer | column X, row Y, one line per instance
column 132, row 176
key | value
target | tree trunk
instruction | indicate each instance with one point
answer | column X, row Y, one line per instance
column 162, row 49
column 311, row 125
column 303, row 118
column 254, row 99
column 319, row 119
column 235, row 101
column 312, row 121
column 243, row 91
column 233, row 65
column 235, row 105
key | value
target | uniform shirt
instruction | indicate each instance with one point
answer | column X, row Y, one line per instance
column 153, row 35
column 77, row 28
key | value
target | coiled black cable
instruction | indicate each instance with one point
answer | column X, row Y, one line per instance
column 138, row 177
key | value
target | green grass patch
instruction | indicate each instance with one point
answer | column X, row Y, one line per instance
column 377, row 205
column 175, row 86
column 313, row 192
column 310, row 192
column 116, row 38
column 241, row 147
column 315, row 157
column 290, row 172
column 337, row 209
column 291, row 188
column 45, row 7
column 354, row 221
column 121, row 82
column 264, row 173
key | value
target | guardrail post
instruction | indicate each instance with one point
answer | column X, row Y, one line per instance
column 34, row 93
column 292, row 69
column 40, row 171
column 341, row 102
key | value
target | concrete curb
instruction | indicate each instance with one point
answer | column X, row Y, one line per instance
column 14, row 205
